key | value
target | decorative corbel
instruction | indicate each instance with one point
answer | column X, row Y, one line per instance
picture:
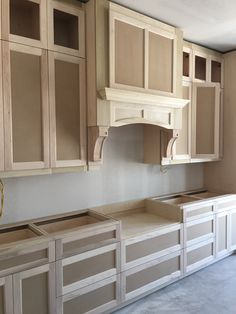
column 173, row 136
column 96, row 138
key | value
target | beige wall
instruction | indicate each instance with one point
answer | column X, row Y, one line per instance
column 122, row 177
column 221, row 176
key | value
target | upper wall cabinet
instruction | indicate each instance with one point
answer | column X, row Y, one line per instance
column 66, row 29
column 144, row 53
column 25, row 22
column 67, row 110
column 26, row 118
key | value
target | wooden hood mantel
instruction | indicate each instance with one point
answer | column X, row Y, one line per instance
column 122, row 107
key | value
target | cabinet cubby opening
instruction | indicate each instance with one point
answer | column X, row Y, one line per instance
column 66, row 31
column 25, row 19
column 215, row 71
column 186, row 59
column 200, row 68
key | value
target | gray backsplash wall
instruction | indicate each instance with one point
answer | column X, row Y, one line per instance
column 122, row 177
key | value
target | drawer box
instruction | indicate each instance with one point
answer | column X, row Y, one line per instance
column 143, row 278
column 84, row 269
column 141, row 249
column 199, row 255
column 75, row 243
column 25, row 256
column 96, row 298
column 199, row 230
column 200, row 210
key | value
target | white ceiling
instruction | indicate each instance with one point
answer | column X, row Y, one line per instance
column 211, row 23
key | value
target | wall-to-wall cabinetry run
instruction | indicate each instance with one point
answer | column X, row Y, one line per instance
column 200, row 138
column 44, row 95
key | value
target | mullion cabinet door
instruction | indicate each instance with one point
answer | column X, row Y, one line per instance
column 25, row 22
column 6, row 295
column 67, row 110
column 26, row 114
column 66, row 27
column 205, row 120
column 34, row 290
column 1, row 116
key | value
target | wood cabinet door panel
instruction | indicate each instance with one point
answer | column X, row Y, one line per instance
column 205, row 120
column 67, row 110
column 6, row 295
column 26, row 115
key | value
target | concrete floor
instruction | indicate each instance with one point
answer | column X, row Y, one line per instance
column 209, row 291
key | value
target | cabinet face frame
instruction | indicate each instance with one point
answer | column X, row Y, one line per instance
column 221, row 253
column 102, row 308
column 216, row 152
column 6, row 35
column 1, row 115
column 6, row 283
column 65, row 289
column 75, row 11
column 133, row 20
column 9, row 162
column 186, row 158
column 53, row 56
column 49, row 269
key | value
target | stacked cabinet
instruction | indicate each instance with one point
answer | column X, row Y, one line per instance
column 43, row 56
column 200, row 138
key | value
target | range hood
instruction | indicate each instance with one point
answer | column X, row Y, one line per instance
column 118, row 107
column 124, row 107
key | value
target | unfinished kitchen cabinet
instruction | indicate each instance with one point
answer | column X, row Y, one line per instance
column 67, row 110
column 25, row 22
column 151, row 275
column 97, row 298
column 26, row 116
column 201, row 67
column 143, row 53
column 222, row 234
column 66, row 27
column 206, row 121
column 187, row 64
column 34, row 290
column 6, row 295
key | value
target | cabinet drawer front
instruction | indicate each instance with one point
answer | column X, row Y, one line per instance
column 96, row 298
column 149, row 276
column 18, row 260
column 199, row 230
column 148, row 248
column 199, row 255
column 86, row 241
column 230, row 204
column 84, row 269
column 195, row 212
